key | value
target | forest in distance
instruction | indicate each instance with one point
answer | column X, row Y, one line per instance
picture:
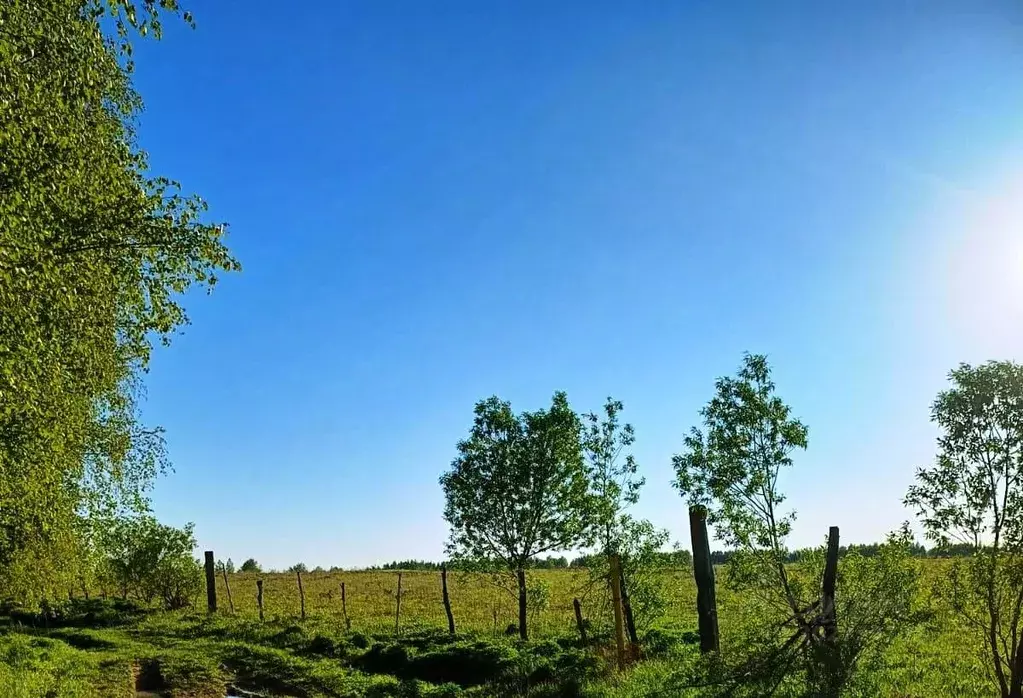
column 101, row 598
column 673, row 558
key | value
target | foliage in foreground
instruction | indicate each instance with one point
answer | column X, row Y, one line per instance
column 973, row 496
column 805, row 636
column 95, row 253
column 149, row 560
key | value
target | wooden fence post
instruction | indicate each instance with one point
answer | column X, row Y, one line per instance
column 227, row 585
column 447, row 599
column 579, row 619
column 397, row 609
column 85, row 589
column 703, row 570
column 211, row 583
column 301, row 592
column 259, row 597
column 344, row 608
column 616, row 601
column 830, row 579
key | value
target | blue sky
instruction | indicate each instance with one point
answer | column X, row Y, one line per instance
column 436, row 202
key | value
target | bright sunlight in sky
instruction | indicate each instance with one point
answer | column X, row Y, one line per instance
column 984, row 290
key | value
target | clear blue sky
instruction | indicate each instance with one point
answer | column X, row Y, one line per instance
column 436, row 202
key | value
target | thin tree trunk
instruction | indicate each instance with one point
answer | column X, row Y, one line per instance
column 1016, row 682
column 616, row 600
column 630, row 621
column 521, row 575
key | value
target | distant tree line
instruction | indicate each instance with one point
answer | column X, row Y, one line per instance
column 672, row 558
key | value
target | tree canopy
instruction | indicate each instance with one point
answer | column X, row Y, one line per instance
column 517, row 488
column 95, row 254
column 972, row 497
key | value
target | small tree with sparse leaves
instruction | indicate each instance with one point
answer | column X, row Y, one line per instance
column 973, row 496
column 732, row 468
column 614, row 486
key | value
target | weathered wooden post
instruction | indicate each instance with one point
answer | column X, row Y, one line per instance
column 830, row 579
column 227, row 585
column 616, row 601
column 447, row 599
column 630, row 621
column 703, row 571
column 301, row 592
column 579, row 620
column 397, row 609
column 259, row 597
column 211, row 583
column 344, row 608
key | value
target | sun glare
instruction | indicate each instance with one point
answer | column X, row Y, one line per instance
column 984, row 267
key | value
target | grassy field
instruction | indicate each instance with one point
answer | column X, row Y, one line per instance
column 195, row 656
column 939, row 658
column 477, row 603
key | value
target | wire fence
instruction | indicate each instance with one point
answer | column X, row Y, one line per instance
column 478, row 602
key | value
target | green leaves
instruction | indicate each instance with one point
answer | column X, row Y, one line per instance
column 95, row 254
column 517, row 487
column 146, row 559
column 612, row 474
column 973, row 496
column 732, row 466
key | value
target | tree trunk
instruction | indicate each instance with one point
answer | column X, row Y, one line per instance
column 630, row 621
column 1016, row 674
column 521, row 574
column 616, row 602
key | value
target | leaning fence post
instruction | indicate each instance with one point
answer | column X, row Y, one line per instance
column 397, row 608
column 211, row 583
column 301, row 592
column 344, row 608
column 830, row 579
column 259, row 597
column 579, row 619
column 616, row 601
column 227, row 585
column 703, row 571
column 447, row 599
